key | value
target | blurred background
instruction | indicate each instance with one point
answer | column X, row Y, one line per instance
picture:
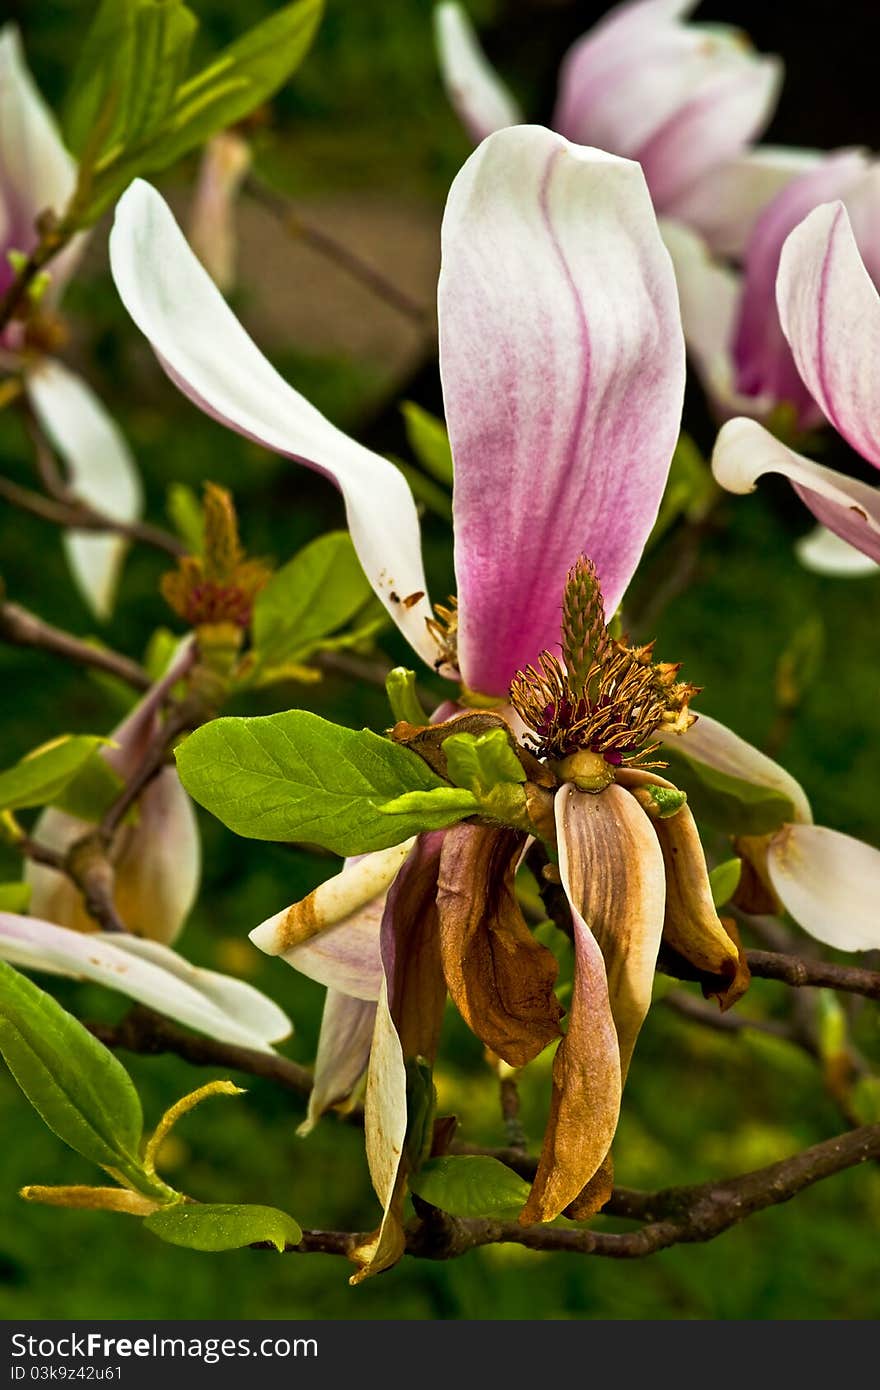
column 362, row 138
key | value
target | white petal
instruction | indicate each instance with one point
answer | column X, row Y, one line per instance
column 217, row 1005
column 830, row 883
column 343, row 1053
column 744, row 451
column 707, row 741
column 207, row 353
column 100, row 469
column 475, row 90
column 825, row 553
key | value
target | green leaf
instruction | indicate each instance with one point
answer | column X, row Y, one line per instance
column 318, row 591
column 40, row 777
column 74, row 1083
column 93, row 789
column 480, row 761
column 294, row 776
column 734, row 805
column 429, row 441
column 164, row 31
column 434, row 810
column 471, row 1185
column 220, row 1226
column 100, row 77
column 667, row 801
column 724, row 881
column 15, row 897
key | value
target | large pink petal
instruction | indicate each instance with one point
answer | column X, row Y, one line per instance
column 830, row 311
column 207, row 353
column 562, row 359
column 744, row 451
column 481, row 100
column 763, row 360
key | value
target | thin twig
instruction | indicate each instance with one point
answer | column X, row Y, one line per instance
column 326, row 245
column 144, row 1031
column 709, row 1015
column 799, row 972
column 71, row 512
column 24, row 629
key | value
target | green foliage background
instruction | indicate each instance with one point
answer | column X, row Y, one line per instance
column 367, row 112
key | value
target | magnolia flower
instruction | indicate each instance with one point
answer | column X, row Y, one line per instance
column 38, row 175
column 735, row 338
column 156, row 857
column 684, row 100
column 829, row 310
column 562, row 365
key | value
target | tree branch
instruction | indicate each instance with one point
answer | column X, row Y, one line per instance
column 24, row 629
column 674, row 1216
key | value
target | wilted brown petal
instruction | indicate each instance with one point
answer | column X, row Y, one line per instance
column 691, row 927
column 585, row 1103
column 500, row 978
column 595, row 1194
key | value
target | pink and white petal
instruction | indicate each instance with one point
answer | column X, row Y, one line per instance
column 218, row 1006
column 478, row 96
column 862, row 203
column 562, row 360
column 725, row 203
column 100, row 469
column 745, row 451
column 627, row 75
column 211, row 358
column 764, row 361
column 343, row 1054
column 250, row 1009
column 158, row 862
column 710, row 742
column 821, row 551
column 829, row 883
column 345, row 957
column 729, row 108
column 830, row 312
column 709, row 295
column 36, row 171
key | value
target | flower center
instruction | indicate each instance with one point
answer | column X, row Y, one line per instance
column 601, row 706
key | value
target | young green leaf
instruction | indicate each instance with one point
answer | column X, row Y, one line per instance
column 318, row 591
column 223, row 1227
column 41, row 776
column 480, row 761
column 294, row 776
column 95, row 110
column 434, row 810
column 74, row 1083
column 184, row 508
column 429, row 441
column 724, row 880
column 403, row 697
column 471, row 1185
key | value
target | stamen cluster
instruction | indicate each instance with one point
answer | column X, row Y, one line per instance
column 604, row 696
column 443, row 627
